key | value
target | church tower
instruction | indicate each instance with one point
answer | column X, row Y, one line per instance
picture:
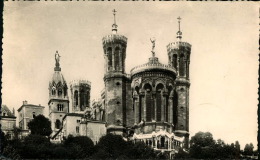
column 115, row 80
column 80, row 96
column 179, row 58
column 58, row 97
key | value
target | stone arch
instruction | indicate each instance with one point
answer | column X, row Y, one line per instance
column 53, row 91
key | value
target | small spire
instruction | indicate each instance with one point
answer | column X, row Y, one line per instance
column 114, row 26
column 179, row 33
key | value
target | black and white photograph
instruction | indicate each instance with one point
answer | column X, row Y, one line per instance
column 129, row 80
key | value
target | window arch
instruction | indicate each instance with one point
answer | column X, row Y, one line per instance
column 174, row 60
column 175, row 110
column 57, row 124
column 109, row 55
column 117, row 58
column 149, row 102
column 76, row 94
column 53, row 91
column 59, row 92
column 182, row 65
column 159, row 89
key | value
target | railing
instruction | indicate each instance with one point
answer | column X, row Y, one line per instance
column 177, row 44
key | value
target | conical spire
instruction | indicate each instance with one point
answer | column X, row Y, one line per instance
column 114, row 26
column 179, row 33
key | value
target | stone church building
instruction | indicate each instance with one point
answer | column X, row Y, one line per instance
column 149, row 104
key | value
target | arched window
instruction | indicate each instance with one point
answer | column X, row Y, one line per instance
column 59, row 92
column 174, row 60
column 117, row 59
column 109, row 55
column 33, row 114
column 53, row 92
column 148, row 101
column 65, row 91
column 159, row 89
column 182, row 65
column 57, row 124
column 76, row 94
column 175, row 110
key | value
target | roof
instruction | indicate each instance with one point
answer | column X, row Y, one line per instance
column 57, row 77
column 30, row 105
column 5, row 109
column 153, row 65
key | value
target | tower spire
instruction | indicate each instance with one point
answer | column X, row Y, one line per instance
column 179, row 33
column 114, row 26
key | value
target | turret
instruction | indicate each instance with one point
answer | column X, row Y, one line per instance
column 115, row 79
column 179, row 58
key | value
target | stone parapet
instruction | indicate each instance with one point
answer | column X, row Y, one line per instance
column 78, row 82
column 113, row 38
column 175, row 45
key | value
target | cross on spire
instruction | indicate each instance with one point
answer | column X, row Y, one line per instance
column 179, row 20
column 179, row 33
column 114, row 26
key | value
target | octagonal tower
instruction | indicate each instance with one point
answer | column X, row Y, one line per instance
column 116, row 81
column 179, row 58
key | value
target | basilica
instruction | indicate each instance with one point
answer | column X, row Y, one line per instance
column 149, row 104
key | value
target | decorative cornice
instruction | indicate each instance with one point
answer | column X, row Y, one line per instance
column 112, row 38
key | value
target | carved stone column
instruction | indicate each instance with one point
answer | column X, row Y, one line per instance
column 113, row 59
column 154, row 105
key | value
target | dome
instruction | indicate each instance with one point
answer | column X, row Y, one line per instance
column 153, row 65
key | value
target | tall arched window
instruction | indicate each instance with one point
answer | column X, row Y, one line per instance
column 117, row 59
column 182, row 65
column 59, row 92
column 159, row 89
column 76, row 94
column 109, row 55
column 57, row 124
column 174, row 60
column 53, row 91
column 148, row 101
column 175, row 111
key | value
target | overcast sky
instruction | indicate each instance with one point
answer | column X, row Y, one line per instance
column 224, row 57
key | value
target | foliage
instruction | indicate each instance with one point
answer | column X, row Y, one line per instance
column 115, row 147
column 81, row 145
column 40, row 125
column 249, row 149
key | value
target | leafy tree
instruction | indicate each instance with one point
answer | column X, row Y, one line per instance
column 40, row 125
column 79, row 147
column 249, row 148
column 139, row 151
column 36, row 147
column 201, row 145
column 110, row 145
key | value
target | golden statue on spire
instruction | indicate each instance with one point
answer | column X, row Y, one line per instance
column 153, row 46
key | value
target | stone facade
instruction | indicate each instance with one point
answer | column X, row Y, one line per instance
column 26, row 113
column 7, row 121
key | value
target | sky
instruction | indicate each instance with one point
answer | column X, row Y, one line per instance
column 223, row 62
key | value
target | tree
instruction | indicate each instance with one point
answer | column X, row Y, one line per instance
column 249, row 149
column 201, row 145
column 40, row 125
column 79, row 147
